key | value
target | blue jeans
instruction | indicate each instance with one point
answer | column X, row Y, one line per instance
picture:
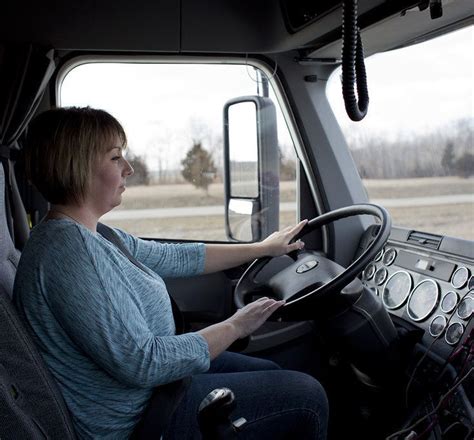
column 277, row 404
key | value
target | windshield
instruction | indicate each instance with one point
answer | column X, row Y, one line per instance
column 414, row 149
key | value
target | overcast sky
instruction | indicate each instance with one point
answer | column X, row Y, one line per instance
column 416, row 88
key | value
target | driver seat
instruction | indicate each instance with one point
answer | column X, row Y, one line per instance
column 31, row 405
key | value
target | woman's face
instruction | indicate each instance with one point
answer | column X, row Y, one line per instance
column 108, row 178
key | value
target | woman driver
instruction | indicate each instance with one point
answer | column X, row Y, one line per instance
column 105, row 327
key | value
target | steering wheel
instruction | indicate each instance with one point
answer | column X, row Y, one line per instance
column 312, row 275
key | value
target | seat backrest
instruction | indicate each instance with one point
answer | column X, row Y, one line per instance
column 31, row 405
column 9, row 255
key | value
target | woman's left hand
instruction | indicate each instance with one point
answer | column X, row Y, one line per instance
column 277, row 243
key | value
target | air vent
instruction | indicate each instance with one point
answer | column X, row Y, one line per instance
column 427, row 240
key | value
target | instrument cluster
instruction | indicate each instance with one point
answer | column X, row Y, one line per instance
column 430, row 290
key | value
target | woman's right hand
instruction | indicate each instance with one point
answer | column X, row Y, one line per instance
column 241, row 324
column 249, row 318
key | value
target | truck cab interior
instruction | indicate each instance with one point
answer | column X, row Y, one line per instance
column 379, row 303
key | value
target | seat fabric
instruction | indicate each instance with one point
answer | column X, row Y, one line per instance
column 9, row 255
column 31, row 405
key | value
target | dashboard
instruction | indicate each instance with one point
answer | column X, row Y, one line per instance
column 428, row 282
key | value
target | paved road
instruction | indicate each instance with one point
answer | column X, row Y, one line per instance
column 219, row 210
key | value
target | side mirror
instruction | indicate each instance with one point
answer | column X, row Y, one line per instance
column 251, row 169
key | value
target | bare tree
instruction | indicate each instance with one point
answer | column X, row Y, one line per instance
column 141, row 175
column 412, row 155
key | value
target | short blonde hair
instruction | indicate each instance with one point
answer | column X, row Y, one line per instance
column 61, row 146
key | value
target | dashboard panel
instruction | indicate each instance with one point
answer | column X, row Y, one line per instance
column 427, row 282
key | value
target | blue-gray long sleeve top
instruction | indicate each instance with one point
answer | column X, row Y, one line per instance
column 104, row 326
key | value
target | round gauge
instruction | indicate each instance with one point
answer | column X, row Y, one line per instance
column 449, row 302
column 454, row 333
column 369, row 271
column 375, row 291
column 396, row 289
column 380, row 276
column 423, row 300
column 470, row 284
column 437, row 326
column 460, row 277
column 466, row 307
column 389, row 256
column 378, row 257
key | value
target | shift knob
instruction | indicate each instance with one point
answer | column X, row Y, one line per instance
column 214, row 415
column 220, row 401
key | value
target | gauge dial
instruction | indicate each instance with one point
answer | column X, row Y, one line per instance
column 378, row 257
column 454, row 333
column 380, row 276
column 369, row 271
column 437, row 326
column 449, row 302
column 470, row 284
column 460, row 277
column 423, row 300
column 389, row 256
column 466, row 306
column 397, row 289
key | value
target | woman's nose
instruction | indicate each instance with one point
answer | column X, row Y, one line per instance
column 128, row 171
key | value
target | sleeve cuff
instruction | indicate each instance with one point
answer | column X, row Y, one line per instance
column 203, row 348
column 201, row 258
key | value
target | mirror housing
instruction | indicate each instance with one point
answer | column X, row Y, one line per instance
column 251, row 169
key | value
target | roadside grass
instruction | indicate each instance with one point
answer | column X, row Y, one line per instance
column 182, row 195
column 202, row 228
column 455, row 219
column 419, row 187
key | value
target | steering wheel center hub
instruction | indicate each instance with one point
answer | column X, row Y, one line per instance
column 308, row 265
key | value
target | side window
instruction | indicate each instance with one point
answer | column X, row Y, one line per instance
column 173, row 117
column 414, row 150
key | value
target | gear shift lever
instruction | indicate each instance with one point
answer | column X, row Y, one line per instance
column 213, row 416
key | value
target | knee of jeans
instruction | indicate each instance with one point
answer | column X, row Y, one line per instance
column 269, row 365
column 311, row 392
column 261, row 364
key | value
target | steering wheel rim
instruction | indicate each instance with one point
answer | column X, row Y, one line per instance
column 247, row 280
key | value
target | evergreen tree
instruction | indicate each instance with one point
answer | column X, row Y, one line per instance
column 198, row 167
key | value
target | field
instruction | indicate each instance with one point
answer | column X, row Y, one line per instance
column 184, row 195
column 419, row 187
column 456, row 219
